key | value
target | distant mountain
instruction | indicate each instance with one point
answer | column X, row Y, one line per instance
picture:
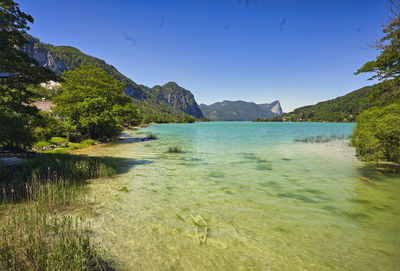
column 169, row 100
column 240, row 110
column 344, row 108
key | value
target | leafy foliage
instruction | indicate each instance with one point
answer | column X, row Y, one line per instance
column 377, row 134
column 387, row 63
column 93, row 103
column 47, row 126
column 18, row 73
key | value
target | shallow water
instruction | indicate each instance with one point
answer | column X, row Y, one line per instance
column 270, row 203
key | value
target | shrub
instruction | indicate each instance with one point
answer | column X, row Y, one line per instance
column 88, row 142
column 377, row 134
column 57, row 140
column 41, row 144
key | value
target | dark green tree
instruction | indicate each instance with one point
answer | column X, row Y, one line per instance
column 377, row 133
column 93, row 103
column 18, row 72
column 387, row 63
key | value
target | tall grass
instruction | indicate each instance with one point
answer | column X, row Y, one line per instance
column 46, row 169
column 35, row 234
column 31, row 239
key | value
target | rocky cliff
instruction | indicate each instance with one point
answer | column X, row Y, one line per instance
column 61, row 58
column 240, row 110
column 179, row 98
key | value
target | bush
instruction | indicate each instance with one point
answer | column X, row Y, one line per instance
column 57, row 140
column 88, row 142
column 47, row 126
column 377, row 134
column 41, row 144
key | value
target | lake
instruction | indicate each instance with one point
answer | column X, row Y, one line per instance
column 274, row 196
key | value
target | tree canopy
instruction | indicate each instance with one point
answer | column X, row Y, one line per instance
column 18, row 72
column 387, row 63
column 93, row 103
column 377, row 134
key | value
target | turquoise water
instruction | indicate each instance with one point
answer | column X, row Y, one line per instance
column 270, row 202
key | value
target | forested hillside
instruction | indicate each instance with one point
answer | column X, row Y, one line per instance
column 345, row 108
column 154, row 107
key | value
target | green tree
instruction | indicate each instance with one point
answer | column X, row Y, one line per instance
column 18, row 72
column 126, row 114
column 93, row 103
column 387, row 63
column 377, row 134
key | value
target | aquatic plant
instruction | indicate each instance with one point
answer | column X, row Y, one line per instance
column 201, row 229
column 123, row 189
column 366, row 179
column 151, row 136
column 321, row 139
column 263, row 164
column 174, row 150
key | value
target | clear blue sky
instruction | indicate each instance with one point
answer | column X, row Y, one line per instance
column 297, row 51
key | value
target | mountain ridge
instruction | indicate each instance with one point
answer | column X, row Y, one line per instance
column 150, row 100
column 240, row 110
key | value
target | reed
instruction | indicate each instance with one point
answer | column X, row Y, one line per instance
column 52, row 171
column 35, row 232
column 33, row 239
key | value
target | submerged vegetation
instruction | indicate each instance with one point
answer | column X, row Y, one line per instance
column 201, row 229
column 321, row 139
column 174, row 150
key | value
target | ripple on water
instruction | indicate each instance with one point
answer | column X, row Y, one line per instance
column 270, row 203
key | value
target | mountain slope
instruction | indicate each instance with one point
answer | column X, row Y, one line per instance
column 178, row 97
column 344, row 108
column 240, row 110
column 61, row 58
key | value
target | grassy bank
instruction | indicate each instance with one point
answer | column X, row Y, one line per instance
column 36, row 233
column 61, row 145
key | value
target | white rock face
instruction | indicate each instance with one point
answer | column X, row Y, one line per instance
column 277, row 109
column 51, row 85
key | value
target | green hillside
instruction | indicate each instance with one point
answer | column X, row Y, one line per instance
column 153, row 107
column 345, row 108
